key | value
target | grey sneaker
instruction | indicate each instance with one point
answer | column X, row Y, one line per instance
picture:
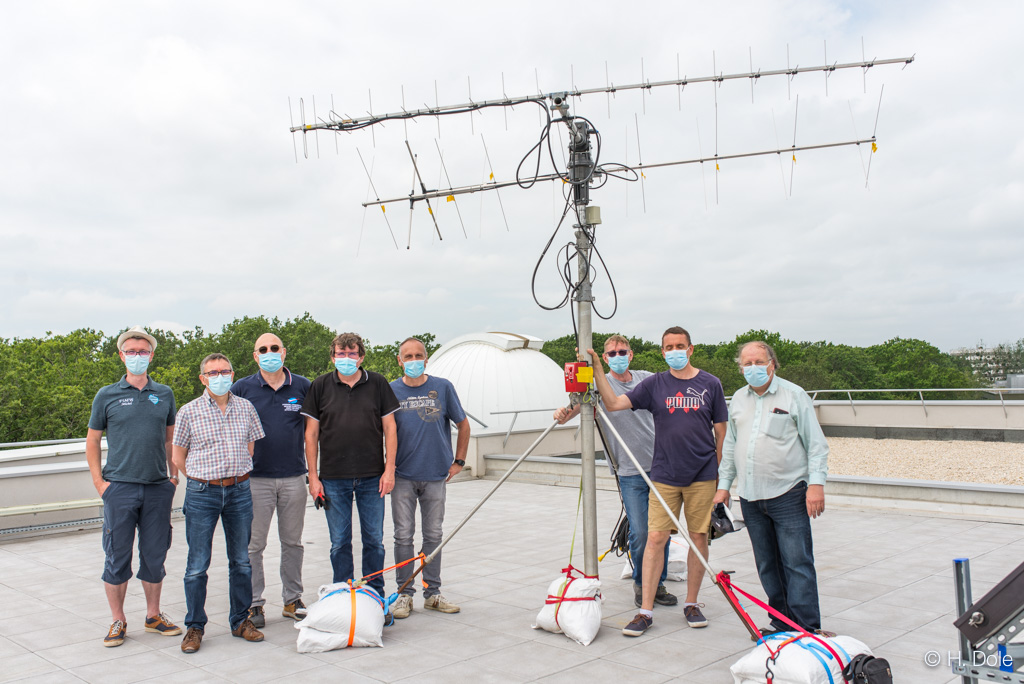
column 402, row 607
column 663, row 598
column 440, row 604
column 640, row 624
column 256, row 616
column 694, row 617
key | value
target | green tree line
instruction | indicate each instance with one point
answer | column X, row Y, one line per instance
column 47, row 384
column 895, row 364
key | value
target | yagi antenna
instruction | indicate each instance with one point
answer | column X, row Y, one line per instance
column 584, row 172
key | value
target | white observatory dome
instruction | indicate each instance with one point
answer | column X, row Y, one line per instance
column 494, row 372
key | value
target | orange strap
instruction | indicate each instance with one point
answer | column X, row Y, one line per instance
column 393, row 567
column 352, row 617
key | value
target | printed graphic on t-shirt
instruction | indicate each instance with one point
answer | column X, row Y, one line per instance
column 691, row 400
column 425, row 407
column 292, row 405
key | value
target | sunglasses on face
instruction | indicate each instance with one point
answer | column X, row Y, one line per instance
column 617, row 352
column 272, row 348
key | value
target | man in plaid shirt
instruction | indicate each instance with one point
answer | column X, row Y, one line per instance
column 213, row 445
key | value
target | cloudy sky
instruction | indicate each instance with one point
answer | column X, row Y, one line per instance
column 148, row 174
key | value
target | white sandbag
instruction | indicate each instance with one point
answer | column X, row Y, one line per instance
column 314, row 641
column 802, row 662
column 572, row 607
column 335, row 613
column 677, row 550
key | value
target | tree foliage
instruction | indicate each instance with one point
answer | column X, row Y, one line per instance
column 47, row 384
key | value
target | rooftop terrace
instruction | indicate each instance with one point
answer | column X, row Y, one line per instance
column 884, row 578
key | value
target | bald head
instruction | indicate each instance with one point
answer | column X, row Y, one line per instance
column 268, row 345
column 268, row 340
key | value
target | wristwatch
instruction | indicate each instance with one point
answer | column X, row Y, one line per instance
column 459, row 462
column 173, row 479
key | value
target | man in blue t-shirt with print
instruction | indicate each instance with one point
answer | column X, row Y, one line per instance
column 423, row 466
column 690, row 417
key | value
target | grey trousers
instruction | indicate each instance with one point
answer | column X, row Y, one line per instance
column 430, row 496
column 287, row 496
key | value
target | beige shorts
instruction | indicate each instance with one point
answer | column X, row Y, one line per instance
column 695, row 500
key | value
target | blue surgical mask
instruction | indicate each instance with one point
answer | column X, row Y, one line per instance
column 219, row 384
column 676, row 359
column 414, row 369
column 136, row 365
column 756, row 376
column 346, row 366
column 618, row 364
column 271, row 362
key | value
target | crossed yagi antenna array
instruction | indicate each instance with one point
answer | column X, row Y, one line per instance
column 554, row 109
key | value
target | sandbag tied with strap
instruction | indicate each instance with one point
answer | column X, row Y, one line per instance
column 346, row 614
column 572, row 606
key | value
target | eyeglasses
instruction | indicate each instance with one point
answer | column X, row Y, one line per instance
column 213, row 374
column 349, row 354
column 273, row 348
column 136, row 353
column 617, row 352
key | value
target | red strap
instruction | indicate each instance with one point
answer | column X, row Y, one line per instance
column 724, row 578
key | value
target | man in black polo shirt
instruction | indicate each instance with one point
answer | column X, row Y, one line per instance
column 138, row 417
column 278, row 473
column 349, row 415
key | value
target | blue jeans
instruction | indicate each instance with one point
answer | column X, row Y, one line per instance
column 204, row 505
column 635, row 494
column 431, row 496
column 780, row 534
column 370, row 505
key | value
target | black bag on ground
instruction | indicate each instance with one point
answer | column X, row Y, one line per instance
column 866, row 669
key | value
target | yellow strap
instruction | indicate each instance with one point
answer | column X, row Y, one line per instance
column 382, row 209
column 451, row 198
column 874, row 147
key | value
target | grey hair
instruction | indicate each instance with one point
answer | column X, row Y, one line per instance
column 216, row 356
column 765, row 347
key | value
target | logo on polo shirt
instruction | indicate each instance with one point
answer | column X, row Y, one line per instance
column 292, row 405
column 293, row 400
column 127, row 401
column 155, row 399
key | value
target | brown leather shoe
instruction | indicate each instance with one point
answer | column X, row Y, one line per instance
column 247, row 631
column 193, row 639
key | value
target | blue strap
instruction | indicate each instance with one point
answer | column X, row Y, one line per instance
column 366, row 592
column 815, row 649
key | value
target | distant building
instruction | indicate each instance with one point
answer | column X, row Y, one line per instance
column 985, row 362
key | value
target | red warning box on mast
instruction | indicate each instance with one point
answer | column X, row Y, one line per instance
column 578, row 376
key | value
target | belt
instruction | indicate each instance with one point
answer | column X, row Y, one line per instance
column 225, row 482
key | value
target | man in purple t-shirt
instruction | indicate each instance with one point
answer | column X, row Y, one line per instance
column 690, row 417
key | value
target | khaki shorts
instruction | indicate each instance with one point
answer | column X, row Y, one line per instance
column 695, row 501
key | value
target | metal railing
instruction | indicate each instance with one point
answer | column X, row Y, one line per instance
column 920, row 393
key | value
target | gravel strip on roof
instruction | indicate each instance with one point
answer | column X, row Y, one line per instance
column 952, row 461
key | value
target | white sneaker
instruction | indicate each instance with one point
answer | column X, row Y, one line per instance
column 440, row 604
column 402, row 607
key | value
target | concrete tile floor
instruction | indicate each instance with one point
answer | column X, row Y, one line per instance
column 885, row 578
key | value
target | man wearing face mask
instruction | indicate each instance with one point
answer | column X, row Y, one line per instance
column 777, row 455
column 689, row 412
column 349, row 416
column 278, row 473
column 213, row 446
column 637, row 431
column 424, row 465
column 138, row 417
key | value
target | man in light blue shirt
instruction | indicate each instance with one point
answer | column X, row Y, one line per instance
column 777, row 455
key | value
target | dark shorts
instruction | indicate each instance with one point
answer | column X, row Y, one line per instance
column 127, row 506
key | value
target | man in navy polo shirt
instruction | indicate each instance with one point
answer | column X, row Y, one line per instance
column 690, row 417
column 349, row 416
column 278, row 473
column 138, row 416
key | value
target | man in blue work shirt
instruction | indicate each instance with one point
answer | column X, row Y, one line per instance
column 776, row 453
column 278, row 473
column 137, row 483
column 424, row 465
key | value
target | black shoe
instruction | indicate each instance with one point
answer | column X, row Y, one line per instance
column 256, row 616
column 663, row 598
column 638, row 625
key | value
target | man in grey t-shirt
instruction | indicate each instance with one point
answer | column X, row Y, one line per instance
column 637, row 430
